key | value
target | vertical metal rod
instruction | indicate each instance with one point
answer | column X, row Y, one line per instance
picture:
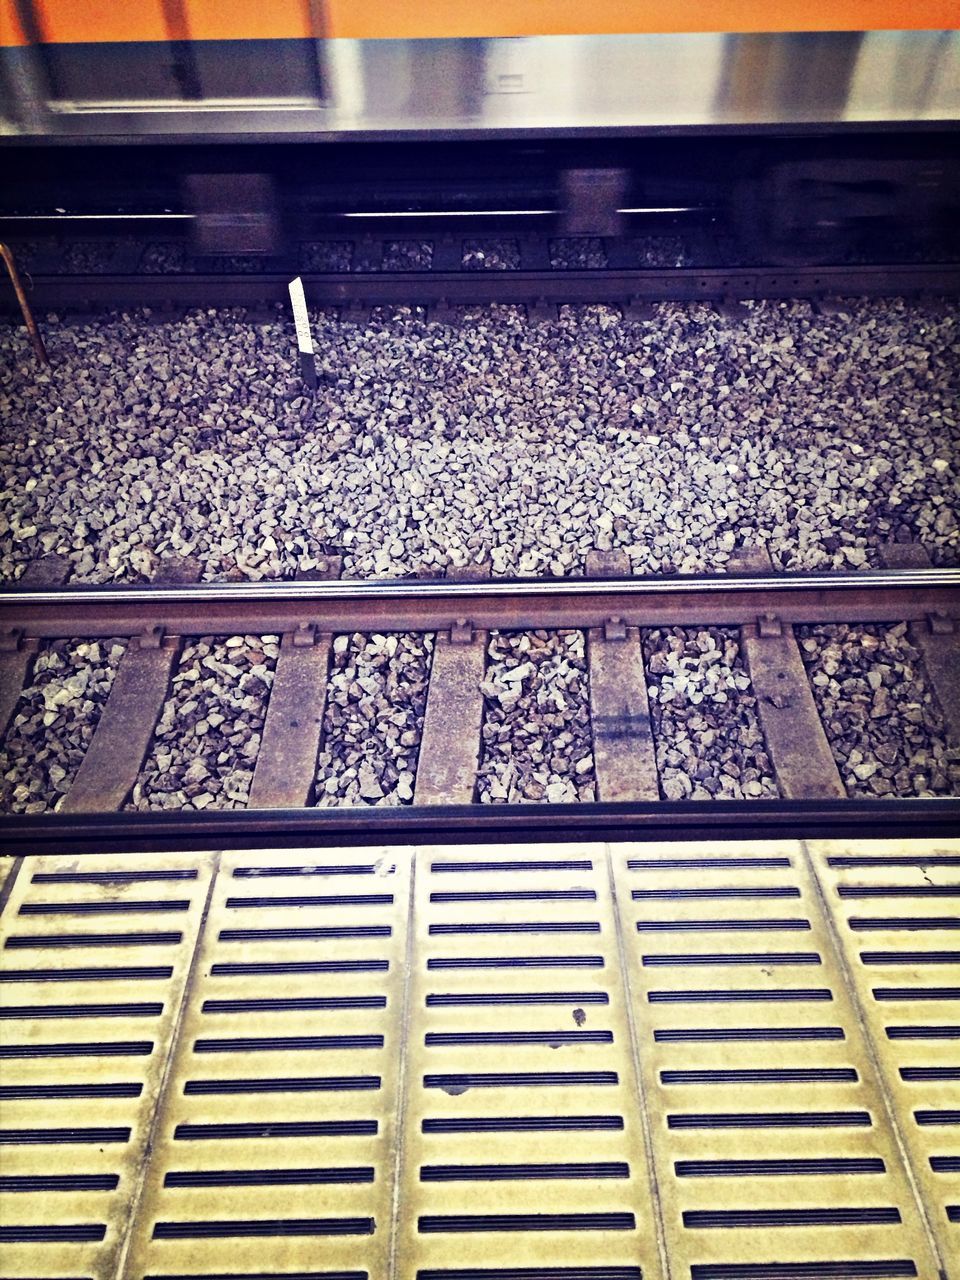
column 28, row 319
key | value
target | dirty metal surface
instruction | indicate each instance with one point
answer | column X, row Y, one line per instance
column 94, row 958
column 568, row 1061
column 897, row 915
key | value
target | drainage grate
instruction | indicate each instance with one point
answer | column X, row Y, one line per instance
column 583, row 1062
column 80, row 1079
column 916, row 1041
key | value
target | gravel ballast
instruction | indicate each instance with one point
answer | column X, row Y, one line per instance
column 882, row 719
column 54, row 721
column 536, row 742
column 431, row 444
column 707, row 734
column 208, row 736
column 373, row 720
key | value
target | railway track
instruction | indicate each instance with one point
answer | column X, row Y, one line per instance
column 461, row 613
column 632, row 273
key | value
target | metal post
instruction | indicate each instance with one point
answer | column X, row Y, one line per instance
column 28, row 319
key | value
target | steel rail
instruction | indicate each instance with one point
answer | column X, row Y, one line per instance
column 890, row 595
column 717, row 820
column 612, row 286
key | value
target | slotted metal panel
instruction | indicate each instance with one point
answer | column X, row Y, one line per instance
column 275, row 1144
column 94, row 958
column 574, row 1062
column 897, row 913
column 771, row 1140
column 524, row 1143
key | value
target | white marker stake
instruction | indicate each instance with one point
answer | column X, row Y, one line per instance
column 308, row 366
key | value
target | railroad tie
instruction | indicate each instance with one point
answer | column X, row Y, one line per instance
column 16, row 654
column 287, row 763
column 623, row 751
column 938, row 639
column 798, row 747
column 450, row 746
column 116, row 752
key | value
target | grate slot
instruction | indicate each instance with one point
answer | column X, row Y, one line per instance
column 242, row 968
column 770, row 1120
column 945, row 1164
column 714, row 958
column 112, row 876
column 916, row 993
column 53, row 941
column 526, row 926
column 907, row 923
column 730, row 1035
column 69, row 1233
column 33, row 1182
column 930, row 1073
column 122, row 1089
column 273, row 1129
column 91, row 1049
column 763, row 1075
column 101, row 973
column 221, row 1230
column 943, row 1116
column 262, row 1044
column 467, row 998
column 524, row 1273
column 103, row 1133
column 464, row 1222
column 741, row 996
column 517, row 1079
column 557, row 864
column 515, row 962
column 910, row 957
column 268, row 1177
column 522, row 1172
column 520, row 1124
column 899, row 891
column 518, row 895
column 720, row 895
column 144, row 1009
column 286, row 1084
column 707, row 864
column 325, row 931
column 754, row 1218
column 759, row 925
column 850, row 861
column 854, row 1269
column 923, row 1033
column 260, row 873
column 315, row 900
column 293, row 1004
column 95, row 908
column 552, row 1038
column 782, row 1168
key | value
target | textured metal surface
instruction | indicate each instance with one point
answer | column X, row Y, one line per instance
column 771, row 1141
column 523, row 1144
column 560, row 1062
column 897, row 915
column 93, row 962
column 275, row 1145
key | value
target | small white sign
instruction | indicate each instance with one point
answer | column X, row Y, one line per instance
column 299, row 304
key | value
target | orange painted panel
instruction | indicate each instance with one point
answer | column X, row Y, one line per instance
column 69, row 21
column 361, row 19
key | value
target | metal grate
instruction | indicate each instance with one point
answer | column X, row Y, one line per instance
column 86, row 1040
column 913, row 1017
column 534, row 1063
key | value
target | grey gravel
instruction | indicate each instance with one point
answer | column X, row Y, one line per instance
column 431, row 444
column 163, row 257
column 88, row 256
column 537, row 744
column 577, row 253
column 882, row 718
column 208, row 736
column 407, row 255
column 707, row 734
column 373, row 720
column 661, row 251
column 491, row 255
column 326, row 255
column 54, row 721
